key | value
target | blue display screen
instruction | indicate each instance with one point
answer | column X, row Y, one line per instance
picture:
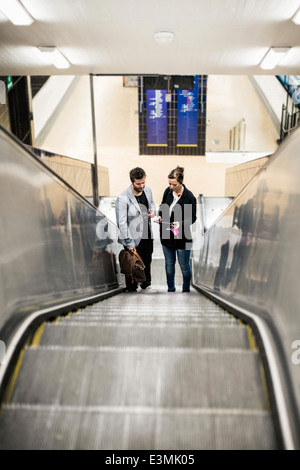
column 187, row 116
column 157, row 118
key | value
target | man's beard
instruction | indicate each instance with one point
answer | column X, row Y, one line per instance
column 137, row 190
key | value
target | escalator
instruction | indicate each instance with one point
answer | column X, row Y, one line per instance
column 88, row 366
column 140, row 371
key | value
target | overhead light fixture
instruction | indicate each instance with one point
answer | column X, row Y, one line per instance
column 16, row 12
column 273, row 57
column 164, row 37
column 55, row 56
column 296, row 17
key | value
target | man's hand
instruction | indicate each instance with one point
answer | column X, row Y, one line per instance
column 151, row 213
column 132, row 249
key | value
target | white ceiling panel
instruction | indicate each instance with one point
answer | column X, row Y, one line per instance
column 220, row 37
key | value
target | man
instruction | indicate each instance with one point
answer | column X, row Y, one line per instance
column 134, row 209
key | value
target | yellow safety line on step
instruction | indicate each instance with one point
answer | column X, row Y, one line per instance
column 37, row 336
column 253, row 347
column 251, row 339
column 264, row 383
column 11, row 385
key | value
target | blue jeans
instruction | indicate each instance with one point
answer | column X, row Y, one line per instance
column 183, row 257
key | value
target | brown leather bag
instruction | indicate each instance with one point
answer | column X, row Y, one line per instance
column 132, row 265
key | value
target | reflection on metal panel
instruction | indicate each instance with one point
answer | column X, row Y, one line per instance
column 107, row 207
column 212, row 208
column 252, row 253
column 53, row 243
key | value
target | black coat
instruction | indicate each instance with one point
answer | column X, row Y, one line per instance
column 183, row 212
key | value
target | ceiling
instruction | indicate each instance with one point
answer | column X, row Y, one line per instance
column 213, row 37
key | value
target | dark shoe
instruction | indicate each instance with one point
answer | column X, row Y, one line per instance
column 148, row 290
column 144, row 286
column 186, row 290
column 172, row 290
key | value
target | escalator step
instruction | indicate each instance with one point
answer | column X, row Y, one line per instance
column 147, row 335
column 189, row 429
column 173, row 377
column 163, row 319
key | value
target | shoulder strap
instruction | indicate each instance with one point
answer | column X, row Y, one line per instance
column 138, row 256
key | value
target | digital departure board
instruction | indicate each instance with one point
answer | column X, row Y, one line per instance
column 157, row 118
column 187, row 116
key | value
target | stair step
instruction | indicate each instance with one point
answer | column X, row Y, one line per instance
column 147, row 335
column 148, row 320
column 162, row 377
column 120, row 428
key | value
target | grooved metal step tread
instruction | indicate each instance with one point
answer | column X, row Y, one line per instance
column 147, row 335
column 165, row 320
column 137, row 371
column 171, row 377
column 139, row 305
column 156, row 308
column 162, row 297
column 111, row 429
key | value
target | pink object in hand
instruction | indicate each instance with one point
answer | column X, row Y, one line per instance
column 175, row 231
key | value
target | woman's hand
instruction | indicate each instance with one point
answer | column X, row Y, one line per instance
column 157, row 219
column 175, row 225
column 151, row 213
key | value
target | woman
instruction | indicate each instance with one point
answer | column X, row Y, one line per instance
column 177, row 213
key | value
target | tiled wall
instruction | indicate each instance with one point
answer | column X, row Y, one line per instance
column 171, row 148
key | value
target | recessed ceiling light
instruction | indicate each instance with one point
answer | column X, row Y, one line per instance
column 273, row 57
column 55, row 57
column 164, row 37
column 15, row 12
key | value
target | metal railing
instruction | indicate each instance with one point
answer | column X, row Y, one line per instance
column 237, row 136
column 289, row 120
